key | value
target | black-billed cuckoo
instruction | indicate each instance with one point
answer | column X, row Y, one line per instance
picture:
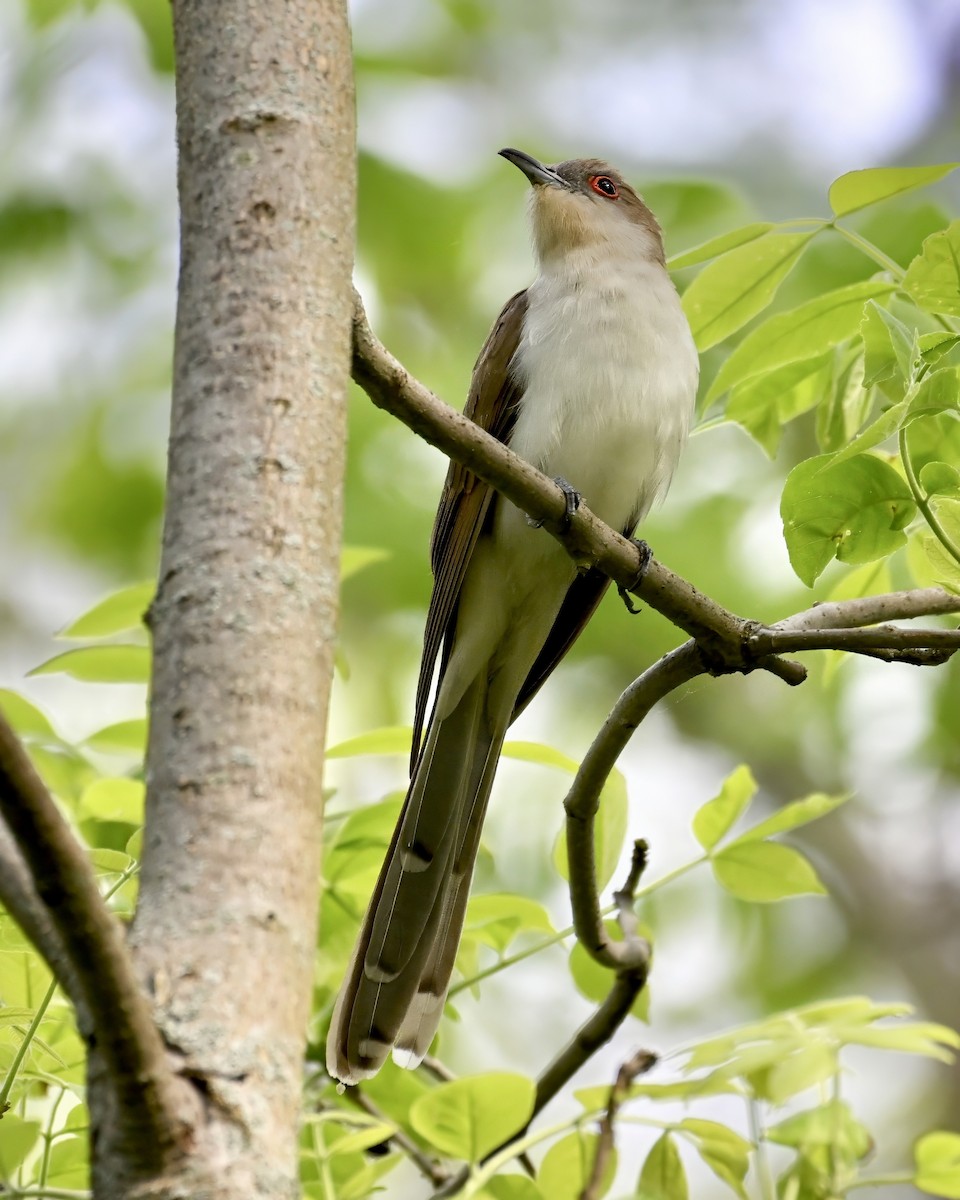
column 590, row 375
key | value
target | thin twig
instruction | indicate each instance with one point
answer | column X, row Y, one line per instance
column 434, row 1171
column 631, row 964
column 639, row 1064
column 583, row 800
column 437, row 1068
column 148, row 1093
column 878, row 637
column 869, row 610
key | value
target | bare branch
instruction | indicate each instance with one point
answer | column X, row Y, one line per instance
column 587, row 539
column 639, row 1064
column 868, row 610
column 879, row 637
column 63, row 883
column 583, row 800
column 632, row 959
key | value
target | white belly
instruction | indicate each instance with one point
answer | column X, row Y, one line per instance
column 610, row 377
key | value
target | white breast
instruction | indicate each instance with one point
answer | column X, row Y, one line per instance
column 610, row 377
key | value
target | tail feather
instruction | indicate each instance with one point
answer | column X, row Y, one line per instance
column 412, row 926
column 426, row 1008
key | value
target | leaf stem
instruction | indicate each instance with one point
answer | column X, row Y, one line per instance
column 493, row 1164
column 768, row 1190
column 509, row 959
column 871, row 251
column 24, row 1046
column 881, row 1180
column 923, row 501
column 48, row 1136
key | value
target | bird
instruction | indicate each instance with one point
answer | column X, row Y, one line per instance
column 590, row 374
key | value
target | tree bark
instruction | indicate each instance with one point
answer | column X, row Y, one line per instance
column 245, row 616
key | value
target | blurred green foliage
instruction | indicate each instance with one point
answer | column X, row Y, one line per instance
column 87, row 247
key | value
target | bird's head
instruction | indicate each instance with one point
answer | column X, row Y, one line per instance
column 585, row 204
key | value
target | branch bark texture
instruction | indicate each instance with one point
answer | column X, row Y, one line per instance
column 245, row 616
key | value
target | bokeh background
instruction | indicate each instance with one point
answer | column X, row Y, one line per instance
column 721, row 111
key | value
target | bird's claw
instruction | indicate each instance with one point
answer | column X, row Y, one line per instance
column 572, row 500
column 645, row 556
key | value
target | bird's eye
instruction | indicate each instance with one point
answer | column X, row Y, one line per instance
column 605, row 186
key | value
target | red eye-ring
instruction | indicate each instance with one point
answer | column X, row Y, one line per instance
column 604, row 186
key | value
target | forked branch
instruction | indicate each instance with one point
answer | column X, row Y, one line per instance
column 54, row 891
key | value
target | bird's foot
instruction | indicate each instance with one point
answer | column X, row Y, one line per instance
column 645, row 554
column 572, row 500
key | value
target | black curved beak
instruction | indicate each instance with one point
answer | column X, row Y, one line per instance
column 538, row 174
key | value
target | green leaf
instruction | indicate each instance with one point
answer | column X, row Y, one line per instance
column 125, row 737
column 390, row 739
column 925, row 1038
column 512, row 1187
column 118, row 613
column 472, row 1116
column 725, row 1152
column 24, row 716
column 887, row 346
column 597, row 1098
column 933, row 346
column 114, row 862
column 357, row 1184
column 940, row 478
column 662, row 1176
column 937, row 1157
column 764, row 404
column 801, row 333
column 871, row 579
column 496, row 920
column 845, row 407
column 795, row 1073
column 363, row 1139
column 713, row 820
column 847, row 1010
column 19, row 1138
column 831, row 1126
column 353, row 559
column 718, row 245
column 114, row 800
column 885, row 426
column 858, row 189
column 732, row 289
column 795, row 814
column 762, row 872
column 541, row 754
column 610, row 831
column 938, row 392
column 100, row 664
column 942, row 568
column 855, row 511
column 933, row 278
column 567, row 1165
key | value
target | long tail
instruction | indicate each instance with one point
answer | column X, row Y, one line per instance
column 394, row 989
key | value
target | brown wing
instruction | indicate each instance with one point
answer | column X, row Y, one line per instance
column 466, row 503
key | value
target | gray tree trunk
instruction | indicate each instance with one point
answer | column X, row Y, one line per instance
column 245, row 617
